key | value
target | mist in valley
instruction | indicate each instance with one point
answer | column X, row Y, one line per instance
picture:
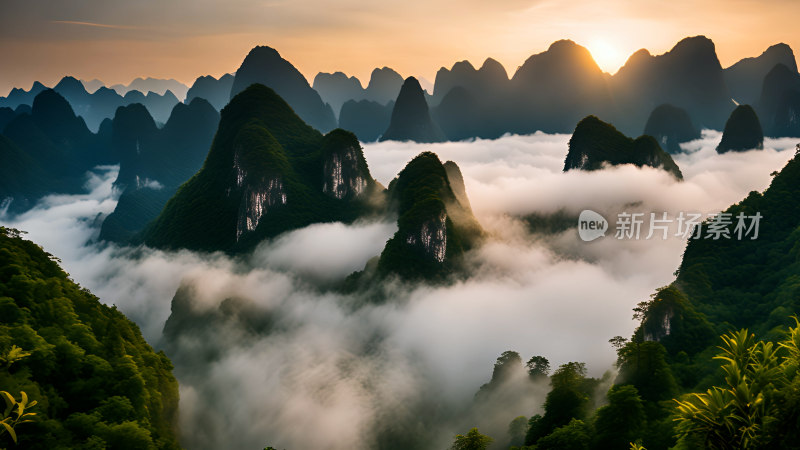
column 267, row 354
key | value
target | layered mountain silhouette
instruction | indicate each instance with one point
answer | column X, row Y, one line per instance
column 742, row 131
column 470, row 102
column 745, row 78
column 19, row 96
column 367, row 119
column 779, row 105
column 671, row 126
column 384, row 85
column 49, row 150
column 264, row 65
column 554, row 89
column 337, row 88
column 596, row 144
column 160, row 106
column 157, row 85
column 216, row 91
column 155, row 162
column 689, row 76
column 267, row 172
column 411, row 119
column 434, row 227
column 96, row 106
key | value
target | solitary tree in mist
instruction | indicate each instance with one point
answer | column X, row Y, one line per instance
column 473, row 440
column 505, row 366
column 538, row 367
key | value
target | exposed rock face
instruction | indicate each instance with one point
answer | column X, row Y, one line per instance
column 343, row 174
column 431, row 236
column 367, row 119
column 216, row 91
column 595, row 144
column 264, row 65
column 779, row 105
column 744, row 79
column 742, row 131
column 267, row 172
column 411, row 119
column 689, row 76
column 671, row 126
column 155, row 162
column 434, row 227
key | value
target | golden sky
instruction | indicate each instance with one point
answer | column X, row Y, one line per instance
column 117, row 41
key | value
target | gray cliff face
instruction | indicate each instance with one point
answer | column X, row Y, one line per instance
column 343, row 178
column 663, row 329
column 432, row 237
column 258, row 197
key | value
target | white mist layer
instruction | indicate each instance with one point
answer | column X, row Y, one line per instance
column 311, row 384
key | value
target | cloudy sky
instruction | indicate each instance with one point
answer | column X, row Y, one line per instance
column 117, row 41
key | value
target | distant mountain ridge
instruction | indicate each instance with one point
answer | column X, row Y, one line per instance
column 549, row 92
column 264, row 65
column 267, row 172
column 99, row 105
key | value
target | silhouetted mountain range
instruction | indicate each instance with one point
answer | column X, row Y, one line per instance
column 779, row 105
column 19, row 96
column 470, row 102
column 216, row 91
column 336, row 89
column 367, row 119
column 745, row 78
column 567, row 80
column 742, row 131
column 549, row 92
column 264, row 65
column 158, row 85
column 671, row 126
column 384, row 85
column 48, row 150
column 411, row 119
column 99, row 105
column 155, row 162
column 689, row 76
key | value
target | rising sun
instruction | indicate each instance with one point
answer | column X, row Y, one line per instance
column 606, row 55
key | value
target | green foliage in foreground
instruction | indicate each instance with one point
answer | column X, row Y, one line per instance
column 97, row 382
column 473, row 440
column 756, row 406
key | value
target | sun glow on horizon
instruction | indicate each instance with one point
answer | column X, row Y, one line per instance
column 609, row 57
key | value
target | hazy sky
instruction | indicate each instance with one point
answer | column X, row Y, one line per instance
column 117, row 41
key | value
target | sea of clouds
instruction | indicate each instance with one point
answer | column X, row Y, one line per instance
column 329, row 374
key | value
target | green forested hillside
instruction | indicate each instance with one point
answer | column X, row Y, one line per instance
column 97, row 382
column 265, row 174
